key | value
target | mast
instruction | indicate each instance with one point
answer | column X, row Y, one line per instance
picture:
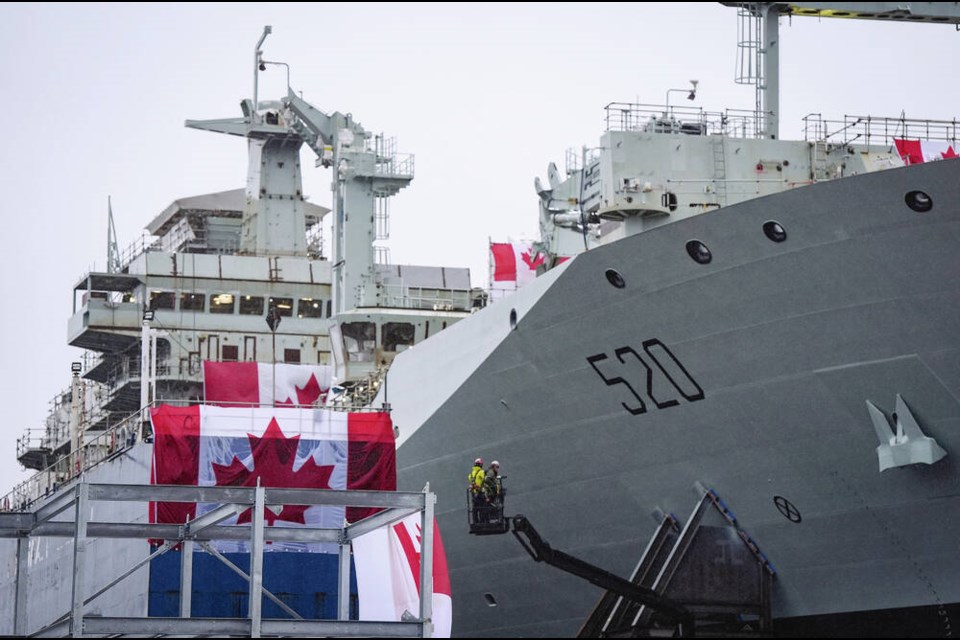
column 759, row 40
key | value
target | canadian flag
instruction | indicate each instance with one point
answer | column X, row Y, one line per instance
column 918, row 151
column 205, row 445
column 261, row 383
column 514, row 264
column 397, row 548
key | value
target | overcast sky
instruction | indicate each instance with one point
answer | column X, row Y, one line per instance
column 484, row 95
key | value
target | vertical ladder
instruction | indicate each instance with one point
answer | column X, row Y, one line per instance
column 720, row 170
column 818, row 163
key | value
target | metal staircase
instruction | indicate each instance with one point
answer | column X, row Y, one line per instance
column 713, row 568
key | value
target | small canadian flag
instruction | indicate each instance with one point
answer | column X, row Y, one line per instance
column 918, row 151
column 514, row 264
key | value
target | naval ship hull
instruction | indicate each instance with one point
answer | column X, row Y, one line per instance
column 771, row 351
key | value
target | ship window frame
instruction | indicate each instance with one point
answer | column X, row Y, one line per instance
column 227, row 350
column 283, row 305
column 313, row 307
column 189, row 301
column 221, row 308
column 291, row 356
column 251, row 306
column 397, row 336
column 364, row 340
column 162, row 299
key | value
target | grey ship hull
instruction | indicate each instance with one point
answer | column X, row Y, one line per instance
column 787, row 342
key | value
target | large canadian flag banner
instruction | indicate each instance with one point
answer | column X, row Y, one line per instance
column 388, row 575
column 276, row 447
column 260, row 383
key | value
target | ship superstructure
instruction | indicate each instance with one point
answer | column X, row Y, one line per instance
column 241, row 275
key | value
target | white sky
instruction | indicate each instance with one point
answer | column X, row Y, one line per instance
column 485, row 95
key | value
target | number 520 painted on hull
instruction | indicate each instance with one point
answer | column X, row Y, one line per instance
column 667, row 366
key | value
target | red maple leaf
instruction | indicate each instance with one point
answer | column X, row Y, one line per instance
column 533, row 261
column 273, row 458
column 306, row 395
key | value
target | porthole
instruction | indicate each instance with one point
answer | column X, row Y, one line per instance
column 513, row 318
column 774, row 231
column 699, row 252
column 918, row 201
column 614, row 278
column 491, row 601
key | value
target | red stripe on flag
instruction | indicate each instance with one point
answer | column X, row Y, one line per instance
column 441, row 576
column 504, row 261
column 371, row 458
column 910, row 150
column 227, row 383
column 176, row 441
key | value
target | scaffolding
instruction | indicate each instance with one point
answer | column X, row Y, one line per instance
column 201, row 531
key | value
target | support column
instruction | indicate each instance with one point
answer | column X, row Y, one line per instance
column 426, row 562
column 186, row 577
column 20, row 599
column 256, row 563
column 771, row 69
column 79, row 556
column 343, row 588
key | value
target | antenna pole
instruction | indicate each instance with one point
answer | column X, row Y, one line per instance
column 257, row 56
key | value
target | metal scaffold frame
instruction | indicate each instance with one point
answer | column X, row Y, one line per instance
column 202, row 530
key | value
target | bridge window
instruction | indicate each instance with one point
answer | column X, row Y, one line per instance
column 283, row 305
column 192, row 301
column 397, row 336
column 221, row 302
column 309, row 308
column 162, row 300
column 359, row 340
column 230, row 353
column 251, row 305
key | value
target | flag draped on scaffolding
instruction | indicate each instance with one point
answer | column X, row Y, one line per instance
column 388, row 575
column 277, row 447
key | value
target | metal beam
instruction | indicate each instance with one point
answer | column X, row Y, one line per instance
column 256, row 564
column 98, row 625
column 186, row 578
column 377, row 520
column 210, row 518
column 56, row 506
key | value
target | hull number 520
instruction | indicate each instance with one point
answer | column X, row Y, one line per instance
column 667, row 380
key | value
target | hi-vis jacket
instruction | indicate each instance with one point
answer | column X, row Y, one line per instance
column 476, row 479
